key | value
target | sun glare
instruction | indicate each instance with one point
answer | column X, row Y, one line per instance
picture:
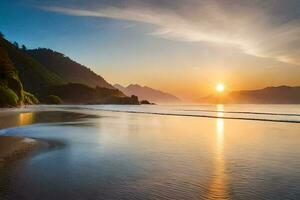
column 220, row 87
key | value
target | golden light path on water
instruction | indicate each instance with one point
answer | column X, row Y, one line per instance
column 218, row 188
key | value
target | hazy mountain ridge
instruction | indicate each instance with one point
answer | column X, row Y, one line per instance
column 269, row 95
column 145, row 92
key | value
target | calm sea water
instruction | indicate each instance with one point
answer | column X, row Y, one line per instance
column 156, row 152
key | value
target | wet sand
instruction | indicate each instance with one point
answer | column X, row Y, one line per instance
column 12, row 148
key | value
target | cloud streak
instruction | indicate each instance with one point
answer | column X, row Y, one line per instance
column 252, row 26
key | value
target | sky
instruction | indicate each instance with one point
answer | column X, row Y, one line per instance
column 184, row 47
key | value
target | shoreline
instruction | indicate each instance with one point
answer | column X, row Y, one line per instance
column 12, row 148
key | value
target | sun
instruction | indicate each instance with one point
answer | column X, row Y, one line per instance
column 220, row 87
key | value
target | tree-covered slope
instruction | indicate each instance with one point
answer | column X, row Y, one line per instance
column 11, row 88
column 68, row 69
column 19, row 73
column 33, row 75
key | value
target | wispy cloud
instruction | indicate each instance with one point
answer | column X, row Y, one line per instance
column 252, row 26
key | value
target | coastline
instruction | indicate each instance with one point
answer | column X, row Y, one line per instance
column 14, row 147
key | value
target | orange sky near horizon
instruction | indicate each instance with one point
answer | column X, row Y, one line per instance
column 192, row 83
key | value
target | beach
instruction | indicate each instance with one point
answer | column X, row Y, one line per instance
column 154, row 152
column 12, row 148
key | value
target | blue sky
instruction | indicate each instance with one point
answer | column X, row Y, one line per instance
column 184, row 48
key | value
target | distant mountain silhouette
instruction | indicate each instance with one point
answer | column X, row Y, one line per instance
column 268, row 95
column 68, row 69
column 147, row 93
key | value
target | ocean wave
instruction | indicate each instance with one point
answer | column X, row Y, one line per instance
column 203, row 116
column 248, row 112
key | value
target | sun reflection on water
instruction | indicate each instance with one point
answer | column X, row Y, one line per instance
column 218, row 188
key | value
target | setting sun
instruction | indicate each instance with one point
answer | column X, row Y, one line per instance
column 220, row 87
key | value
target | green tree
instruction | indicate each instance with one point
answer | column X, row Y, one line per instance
column 16, row 44
column 30, row 99
column 1, row 35
column 8, row 97
column 52, row 99
column 24, row 47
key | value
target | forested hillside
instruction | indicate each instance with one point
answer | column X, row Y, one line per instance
column 42, row 75
column 68, row 69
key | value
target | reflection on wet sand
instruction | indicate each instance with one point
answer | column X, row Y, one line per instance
column 218, row 188
column 26, row 118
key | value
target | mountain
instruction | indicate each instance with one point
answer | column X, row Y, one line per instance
column 67, row 69
column 147, row 93
column 25, row 80
column 33, row 75
column 268, row 95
